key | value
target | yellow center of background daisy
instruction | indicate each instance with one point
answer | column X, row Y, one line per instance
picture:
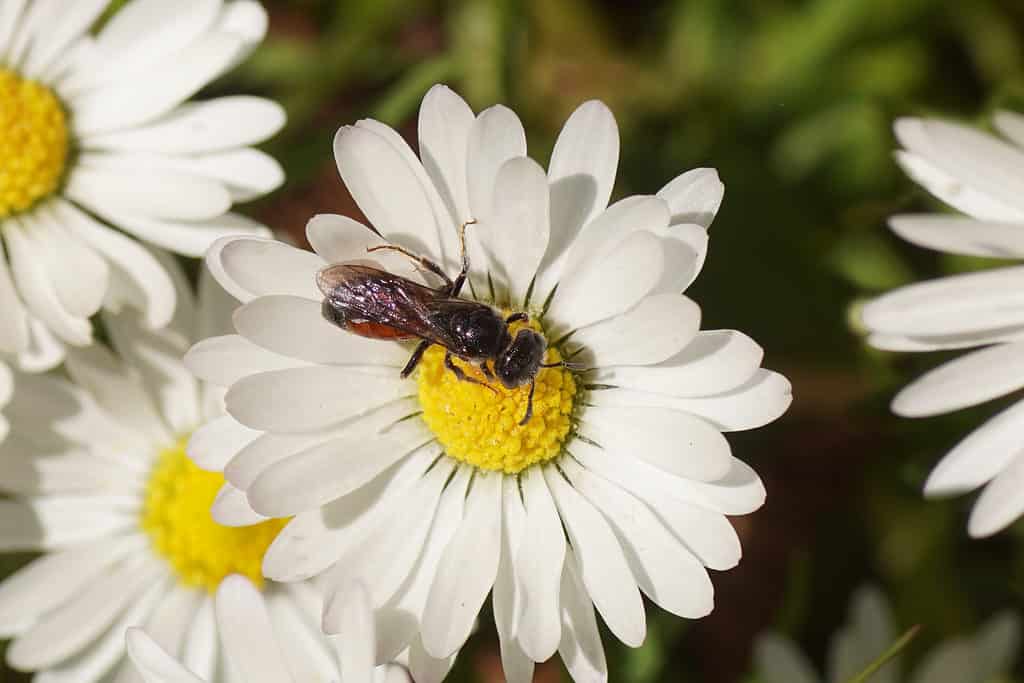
column 481, row 427
column 176, row 514
column 33, row 142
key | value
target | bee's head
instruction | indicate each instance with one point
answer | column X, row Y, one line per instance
column 520, row 362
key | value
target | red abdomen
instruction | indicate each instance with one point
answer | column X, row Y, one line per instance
column 374, row 330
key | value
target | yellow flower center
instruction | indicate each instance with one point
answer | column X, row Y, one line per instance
column 176, row 514
column 480, row 425
column 33, row 142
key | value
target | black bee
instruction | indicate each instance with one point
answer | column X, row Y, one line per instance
column 380, row 305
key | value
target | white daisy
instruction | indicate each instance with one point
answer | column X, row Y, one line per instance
column 983, row 177
column 430, row 488
column 98, row 145
column 255, row 644
column 97, row 480
column 984, row 658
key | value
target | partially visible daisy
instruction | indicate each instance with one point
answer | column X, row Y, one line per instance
column 98, row 146
column 255, row 644
column 97, row 480
column 984, row 658
column 982, row 176
column 431, row 489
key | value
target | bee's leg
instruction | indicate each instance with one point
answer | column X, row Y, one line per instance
column 421, row 261
column 486, row 370
column 517, row 317
column 460, row 279
column 462, row 376
column 414, row 359
column 529, row 404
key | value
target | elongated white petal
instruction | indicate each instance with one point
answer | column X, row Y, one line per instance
column 967, row 197
column 353, row 612
column 655, row 329
column 199, row 127
column 14, row 334
column 460, row 586
column 1011, row 125
column 506, row 596
column 960, row 235
column 999, row 503
column 676, row 442
column 971, row 379
column 155, row 665
column 445, row 121
column 248, row 267
column 715, row 361
column 73, row 21
column 231, row 508
column 10, row 16
column 155, row 194
column 581, row 649
column 666, row 571
column 217, row 441
column 694, row 197
column 495, row 137
column 601, row 561
column 247, row 634
column 425, row 668
column 972, row 302
column 295, row 327
column 778, row 660
column 986, row 452
column 230, row 358
column 294, row 612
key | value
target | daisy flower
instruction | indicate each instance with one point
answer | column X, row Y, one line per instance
column 257, row 646
column 99, row 146
column 982, row 177
column 97, row 480
column 436, row 491
column 869, row 632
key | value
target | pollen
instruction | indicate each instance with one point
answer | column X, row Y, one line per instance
column 480, row 426
column 33, row 143
column 176, row 515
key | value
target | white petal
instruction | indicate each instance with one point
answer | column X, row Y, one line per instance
column 147, row 95
column 230, row 358
column 496, row 136
column 231, row 508
column 694, row 197
column 34, row 25
column 971, row 379
column 655, row 329
column 45, row 351
column 601, row 561
column 666, row 571
column 10, row 21
column 200, row 651
column 14, row 327
column 152, row 290
column 760, row 400
column 778, row 660
column 516, row 235
column 356, row 649
column 582, row 174
column 539, row 569
column 66, row 630
column 966, row 197
column 295, row 613
column 246, row 19
column 1000, row 503
column 328, row 471
column 51, row 580
column 30, row 469
column 672, row 441
column 216, row 442
column 158, row 194
column 1010, row 124
column 958, row 235
column 155, row 665
column 466, row 572
column 982, row 455
column 996, row 645
column 971, row 302
column 974, row 159
column 246, row 632
column 62, row 520
column 295, row 327
column 737, row 493
column 79, row 275
column 506, row 594
column 188, row 238
column 427, row 669
column 581, row 648
column 715, row 361
column 387, row 186
column 301, row 399
column 248, row 267
column 28, row 259
column 613, row 286
column 444, row 124
column 49, row 45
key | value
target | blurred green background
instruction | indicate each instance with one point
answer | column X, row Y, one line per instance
column 792, row 101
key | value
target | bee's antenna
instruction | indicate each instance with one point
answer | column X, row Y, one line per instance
column 529, row 404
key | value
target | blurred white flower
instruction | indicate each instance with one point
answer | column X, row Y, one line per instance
column 98, row 145
column 255, row 644
column 96, row 479
column 869, row 632
column 431, row 489
column 983, row 177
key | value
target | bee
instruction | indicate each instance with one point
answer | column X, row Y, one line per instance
column 377, row 304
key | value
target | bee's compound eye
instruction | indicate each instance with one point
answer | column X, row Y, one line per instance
column 520, row 362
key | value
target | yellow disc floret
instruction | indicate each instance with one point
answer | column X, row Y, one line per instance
column 33, row 142
column 479, row 425
column 176, row 514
